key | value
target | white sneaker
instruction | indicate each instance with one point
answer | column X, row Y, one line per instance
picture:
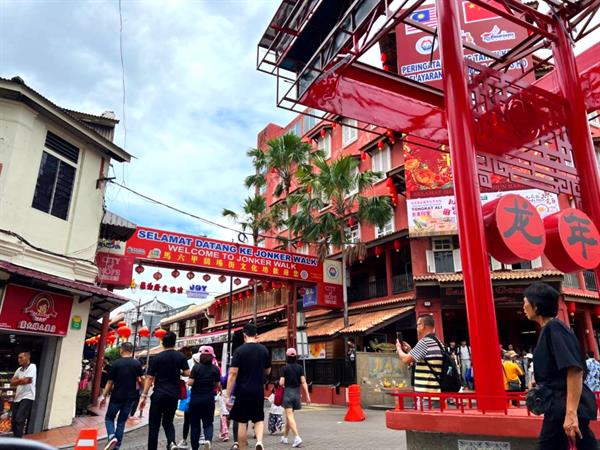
column 182, row 444
column 284, row 440
column 297, row 441
column 259, row 446
column 174, row 446
column 111, row 444
column 206, row 445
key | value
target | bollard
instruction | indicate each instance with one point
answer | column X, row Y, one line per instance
column 87, row 439
column 355, row 412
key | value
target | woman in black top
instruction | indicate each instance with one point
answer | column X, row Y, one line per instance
column 204, row 380
column 292, row 378
column 559, row 367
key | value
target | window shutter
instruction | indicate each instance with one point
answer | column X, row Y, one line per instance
column 536, row 263
column 456, row 260
column 430, row 261
column 496, row 265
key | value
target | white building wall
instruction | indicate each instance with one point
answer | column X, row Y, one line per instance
column 67, row 371
column 22, row 137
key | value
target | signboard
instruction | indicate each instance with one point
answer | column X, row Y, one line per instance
column 33, row 311
column 76, row 323
column 197, row 291
column 330, row 295
column 203, row 253
column 419, row 59
column 436, row 216
column 317, row 350
column 309, row 297
column 114, row 267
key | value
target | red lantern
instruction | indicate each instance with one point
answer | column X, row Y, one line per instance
column 389, row 133
column 206, row 277
column 222, row 278
column 363, row 156
column 571, row 307
column 248, row 294
column 157, row 287
column 380, row 145
column 351, row 221
column 143, row 285
column 386, row 67
column 165, row 288
column 121, row 323
column 160, row 333
column 389, row 183
column 397, row 245
column 180, row 290
column 384, row 57
column 323, row 132
column 111, row 333
column 299, row 244
column 251, row 282
column 144, row 332
column 378, row 251
column 110, row 340
column 139, row 268
column 157, row 275
column 237, row 281
column 334, row 125
column 124, row 332
column 172, row 289
column 190, row 275
column 175, row 273
column 597, row 311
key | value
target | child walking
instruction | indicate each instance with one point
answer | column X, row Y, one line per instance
column 275, row 413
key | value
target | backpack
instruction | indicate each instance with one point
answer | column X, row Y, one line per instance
column 278, row 400
column 449, row 379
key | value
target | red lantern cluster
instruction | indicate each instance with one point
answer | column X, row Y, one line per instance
column 160, row 288
column 110, row 340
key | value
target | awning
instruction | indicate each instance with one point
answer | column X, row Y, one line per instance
column 261, row 317
column 115, row 227
column 216, row 337
column 192, row 311
column 365, row 322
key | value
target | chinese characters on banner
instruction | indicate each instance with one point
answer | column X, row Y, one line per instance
column 419, row 59
column 33, row 311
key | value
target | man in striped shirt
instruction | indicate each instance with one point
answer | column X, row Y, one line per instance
column 426, row 355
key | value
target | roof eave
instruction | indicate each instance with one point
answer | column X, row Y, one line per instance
column 37, row 102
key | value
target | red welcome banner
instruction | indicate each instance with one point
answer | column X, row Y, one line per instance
column 33, row 311
column 176, row 249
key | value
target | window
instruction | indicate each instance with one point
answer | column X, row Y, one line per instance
column 349, row 131
column 296, row 128
column 443, row 257
column 309, row 121
column 352, row 234
column 388, row 228
column 523, row 265
column 354, row 188
column 324, row 144
column 594, row 118
column 381, row 161
column 190, row 327
column 304, row 250
column 284, row 219
column 260, row 243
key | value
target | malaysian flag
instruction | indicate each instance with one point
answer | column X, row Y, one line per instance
column 425, row 16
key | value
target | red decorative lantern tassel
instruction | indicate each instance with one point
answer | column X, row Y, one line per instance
column 571, row 307
column 222, row 279
column 190, row 275
column 378, row 251
column 323, row 132
column 380, row 145
column 157, row 275
column 139, row 268
column 206, row 277
column 397, row 245
column 175, row 273
column 363, row 156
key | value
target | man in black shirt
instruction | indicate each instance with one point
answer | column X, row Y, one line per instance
column 250, row 364
column 165, row 373
column 122, row 380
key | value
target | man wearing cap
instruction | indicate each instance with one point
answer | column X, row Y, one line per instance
column 249, row 366
column 292, row 377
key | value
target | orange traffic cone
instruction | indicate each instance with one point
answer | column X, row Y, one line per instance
column 355, row 412
column 87, row 439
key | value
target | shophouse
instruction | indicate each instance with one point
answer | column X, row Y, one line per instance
column 53, row 163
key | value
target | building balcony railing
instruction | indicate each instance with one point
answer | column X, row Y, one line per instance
column 371, row 289
column 402, row 283
column 591, row 284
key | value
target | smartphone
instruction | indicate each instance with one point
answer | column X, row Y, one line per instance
column 399, row 336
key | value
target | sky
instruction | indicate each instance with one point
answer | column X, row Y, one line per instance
column 194, row 99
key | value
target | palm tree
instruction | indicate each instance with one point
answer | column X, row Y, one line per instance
column 256, row 220
column 340, row 187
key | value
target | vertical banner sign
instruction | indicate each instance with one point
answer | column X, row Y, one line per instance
column 114, row 266
column 419, row 59
column 33, row 311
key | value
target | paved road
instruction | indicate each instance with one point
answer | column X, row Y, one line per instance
column 321, row 428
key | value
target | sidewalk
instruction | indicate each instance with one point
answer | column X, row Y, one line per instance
column 65, row 437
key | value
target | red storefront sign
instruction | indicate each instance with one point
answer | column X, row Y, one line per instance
column 114, row 270
column 33, row 311
column 573, row 241
column 176, row 249
column 514, row 229
column 329, row 296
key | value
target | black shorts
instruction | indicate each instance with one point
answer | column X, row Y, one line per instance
column 291, row 399
column 553, row 437
column 248, row 408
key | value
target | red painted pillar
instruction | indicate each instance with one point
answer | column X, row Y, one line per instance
column 479, row 298
column 563, row 314
column 389, row 272
column 578, row 129
column 434, row 308
column 100, row 359
column 589, row 331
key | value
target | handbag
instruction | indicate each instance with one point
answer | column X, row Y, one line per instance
column 278, row 400
column 538, row 399
column 182, row 390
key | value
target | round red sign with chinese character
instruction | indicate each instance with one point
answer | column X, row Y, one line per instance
column 514, row 229
column 573, row 241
